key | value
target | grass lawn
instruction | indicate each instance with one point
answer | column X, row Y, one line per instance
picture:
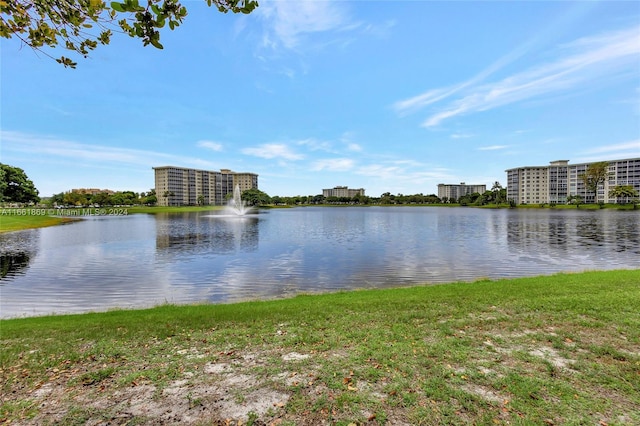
column 16, row 223
column 562, row 349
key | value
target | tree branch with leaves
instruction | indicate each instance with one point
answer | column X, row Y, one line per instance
column 82, row 25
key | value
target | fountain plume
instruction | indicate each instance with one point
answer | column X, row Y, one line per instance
column 236, row 205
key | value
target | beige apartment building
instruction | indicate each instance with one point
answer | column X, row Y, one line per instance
column 179, row 186
column 559, row 180
column 453, row 192
column 342, row 192
column 92, row 191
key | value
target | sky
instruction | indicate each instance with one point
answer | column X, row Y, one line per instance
column 389, row 96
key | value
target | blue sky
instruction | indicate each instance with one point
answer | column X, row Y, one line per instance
column 387, row 96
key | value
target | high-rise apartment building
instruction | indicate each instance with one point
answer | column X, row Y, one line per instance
column 342, row 192
column 559, row 180
column 453, row 192
column 179, row 186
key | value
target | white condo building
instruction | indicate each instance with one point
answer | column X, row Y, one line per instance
column 453, row 192
column 554, row 183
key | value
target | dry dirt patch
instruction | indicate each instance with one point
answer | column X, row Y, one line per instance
column 220, row 393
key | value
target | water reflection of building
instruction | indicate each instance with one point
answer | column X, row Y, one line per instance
column 13, row 263
column 541, row 232
column 535, row 235
column 178, row 186
column 559, row 180
column 192, row 233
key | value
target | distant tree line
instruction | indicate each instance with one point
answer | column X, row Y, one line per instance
column 497, row 195
column 120, row 198
column 387, row 199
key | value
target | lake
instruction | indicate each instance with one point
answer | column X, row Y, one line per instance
column 142, row 260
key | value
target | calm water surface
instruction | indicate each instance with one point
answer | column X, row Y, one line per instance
column 144, row 260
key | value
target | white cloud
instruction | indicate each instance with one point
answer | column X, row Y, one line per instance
column 346, row 139
column 492, row 147
column 583, row 62
column 379, row 171
column 287, row 22
column 521, row 132
column 403, row 170
column 380, row 30
column 327, row 146
column 415, row 103
column 354, row 147
column 213, row 146
column 273, row 150
column 316, row 145
column 461, row 136
column 333, row 164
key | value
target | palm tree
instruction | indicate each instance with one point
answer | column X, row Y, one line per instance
column 499, row 193
column 623, row 191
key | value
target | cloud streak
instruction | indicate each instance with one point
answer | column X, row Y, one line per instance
column 583, row 62
column 492, row 147
column 53, row 149
column 211, row 145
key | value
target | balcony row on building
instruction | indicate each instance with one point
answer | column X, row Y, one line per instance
column 557, row 182
column 179, row 186
column 455, row 191
column 342, row 192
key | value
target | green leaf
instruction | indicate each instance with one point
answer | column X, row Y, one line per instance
column 155, row 43
column 118, row 7
column 66, row 62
